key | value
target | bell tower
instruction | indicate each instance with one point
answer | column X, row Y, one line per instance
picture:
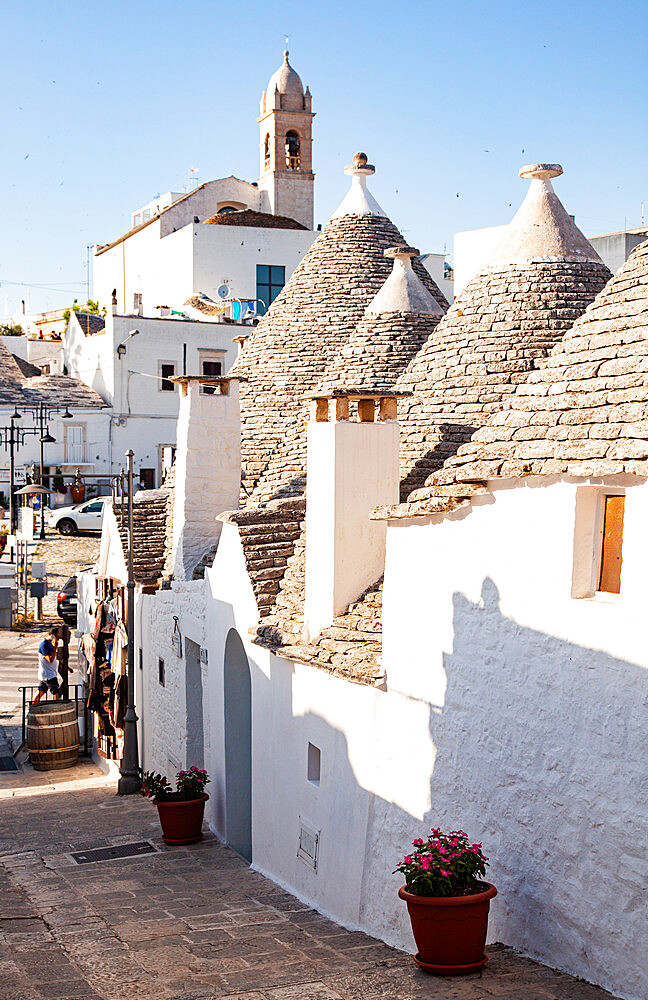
column 286, row 177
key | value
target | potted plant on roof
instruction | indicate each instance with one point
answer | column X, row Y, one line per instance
column 181, row 812
column 447, row 901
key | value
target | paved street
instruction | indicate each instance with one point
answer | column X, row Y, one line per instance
column 187, row 923
column 64, row 555
column 18, row 650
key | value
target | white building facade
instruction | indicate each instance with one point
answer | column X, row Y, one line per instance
column 469, row 666
column 171, row 253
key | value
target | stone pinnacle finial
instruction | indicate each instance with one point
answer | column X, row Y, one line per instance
column 403, row 291
column 359, row 165
column 394, row 252
column 286, row 54
column 541, row 171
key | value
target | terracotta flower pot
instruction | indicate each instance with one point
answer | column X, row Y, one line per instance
column 450, row 931
column 181, row 821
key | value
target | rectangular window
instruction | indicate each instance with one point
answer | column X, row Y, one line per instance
column 137, row 303
column 166, row 457
column 161, row 671
column 74, row 436
column 314, row 764
column 270, row 279
column 598, row 539
column 611, row 544
column 210, row 369
column 141, row 658
column 167, row 371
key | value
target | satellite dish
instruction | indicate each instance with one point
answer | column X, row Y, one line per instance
column 223, row 291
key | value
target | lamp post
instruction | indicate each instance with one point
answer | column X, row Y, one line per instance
column 130, row 780
column 11, row 438
column 43, row 414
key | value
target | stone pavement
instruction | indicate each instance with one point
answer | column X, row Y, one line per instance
column 64, row 555
column 187, row 923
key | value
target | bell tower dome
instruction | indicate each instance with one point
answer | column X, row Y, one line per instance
column 285, row 121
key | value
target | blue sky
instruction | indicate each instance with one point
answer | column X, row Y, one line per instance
column 106, row 105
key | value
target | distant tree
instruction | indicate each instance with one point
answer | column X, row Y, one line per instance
column 11, row 330
column 90, row 306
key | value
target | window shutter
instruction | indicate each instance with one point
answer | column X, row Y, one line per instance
column 611, row 555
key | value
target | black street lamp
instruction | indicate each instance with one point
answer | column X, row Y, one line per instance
column 42, row 414
column 11, row 438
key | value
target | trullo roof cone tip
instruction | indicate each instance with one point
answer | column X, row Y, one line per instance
column 403, row 291
column 359, row 200
column 541, row 229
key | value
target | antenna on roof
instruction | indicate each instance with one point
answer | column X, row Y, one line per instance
column 194, row 180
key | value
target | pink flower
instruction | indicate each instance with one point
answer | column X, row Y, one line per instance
column 417, row 843
column 444, row 872
column 408, row 859
column 425, row 863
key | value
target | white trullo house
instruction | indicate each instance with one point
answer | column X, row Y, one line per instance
column 431, row 622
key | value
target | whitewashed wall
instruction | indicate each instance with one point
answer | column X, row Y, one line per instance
column 163, row 709
column 512, row 710
column 169, row 269
column 143, row 417
column 537, row 707
column 229, row 255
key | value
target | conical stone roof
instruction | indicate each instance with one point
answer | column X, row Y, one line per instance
column 584, row 411
column 542, row 277
column 396, row 324
column 310, row 320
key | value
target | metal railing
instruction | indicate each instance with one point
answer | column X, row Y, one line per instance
column 76, row 694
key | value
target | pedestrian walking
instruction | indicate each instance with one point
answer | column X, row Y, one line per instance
column 48, row 666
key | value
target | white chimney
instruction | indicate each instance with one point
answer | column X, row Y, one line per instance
column 208, row 466
column 352, row 467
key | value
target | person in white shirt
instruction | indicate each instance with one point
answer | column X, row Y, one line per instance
column 48, row 666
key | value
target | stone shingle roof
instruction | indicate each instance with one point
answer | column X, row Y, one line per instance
column 11, row 378
column 62, row 390
column 268, row 537
column 151, row 511
column 53, row 390
column 583, row 412
column 392, row 331
column 350, row 647
column 257, row 220
column 542, row 278
column 90, row 323
column 291, row 348
column 26, row 368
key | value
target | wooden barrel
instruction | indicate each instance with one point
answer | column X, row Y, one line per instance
column 53, row 735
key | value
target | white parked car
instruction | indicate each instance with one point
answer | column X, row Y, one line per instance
column 86, row 516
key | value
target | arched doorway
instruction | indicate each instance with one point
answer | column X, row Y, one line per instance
column 238, row 747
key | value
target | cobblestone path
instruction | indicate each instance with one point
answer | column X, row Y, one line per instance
column 187, row 923
column 64, row 555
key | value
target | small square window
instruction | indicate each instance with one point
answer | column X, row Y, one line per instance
column 161, row 672
column 141, row 658
column 314, row 764
column 210, row 369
